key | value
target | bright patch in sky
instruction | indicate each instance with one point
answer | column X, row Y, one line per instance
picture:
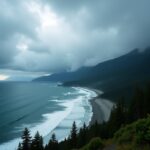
column 3, row 77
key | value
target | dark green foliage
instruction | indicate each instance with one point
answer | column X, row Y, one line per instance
column 140, row 104
column 94, row 144
column 136, row 109
column 19, row 147
column 73, row 136
column 82, row 136
column 137, row 133
column 26, row 140
column 53, row 143
column 118, row 117
column 147, row 100
column 37, row 142
column 95, row 129
column 65, row 144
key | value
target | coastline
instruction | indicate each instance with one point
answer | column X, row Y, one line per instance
column 77, row 108
column 101, row 108
column 96, row 107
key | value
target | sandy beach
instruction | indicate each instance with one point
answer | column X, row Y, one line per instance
column 101, row 108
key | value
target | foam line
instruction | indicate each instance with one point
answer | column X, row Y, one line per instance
column 75, row 109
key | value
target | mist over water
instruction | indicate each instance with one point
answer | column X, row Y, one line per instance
column 44, row 107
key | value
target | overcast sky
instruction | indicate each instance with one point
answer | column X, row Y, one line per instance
column 45, row 36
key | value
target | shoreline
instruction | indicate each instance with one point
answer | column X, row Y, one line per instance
column 98, row 113
column 61, row 120
column 101, row 108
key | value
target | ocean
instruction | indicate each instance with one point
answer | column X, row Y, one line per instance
column 44, row 107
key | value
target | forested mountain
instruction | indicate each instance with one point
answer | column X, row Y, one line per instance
column 115, row 76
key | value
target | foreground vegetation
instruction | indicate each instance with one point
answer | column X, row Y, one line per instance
column 134, row 136
column 125, row 127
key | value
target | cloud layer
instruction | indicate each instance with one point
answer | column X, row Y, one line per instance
column 51, row 36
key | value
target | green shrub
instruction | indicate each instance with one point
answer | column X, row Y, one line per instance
column 95, row 144
column 137, row 133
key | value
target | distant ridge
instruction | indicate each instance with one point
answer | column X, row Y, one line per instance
column 116, row 75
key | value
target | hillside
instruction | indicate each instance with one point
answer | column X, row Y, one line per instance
column 115, row 77
column 128, row 128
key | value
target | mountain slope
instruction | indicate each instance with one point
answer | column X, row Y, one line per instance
column 114, row 76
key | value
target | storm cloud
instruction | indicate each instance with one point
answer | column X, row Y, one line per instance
column 51, row 36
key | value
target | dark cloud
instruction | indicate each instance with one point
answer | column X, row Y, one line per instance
column 7, row 51
column 15, row 23
column 54, row 35
column 15, row 19
column 67, row 7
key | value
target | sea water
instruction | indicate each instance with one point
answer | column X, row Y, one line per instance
column 43, row 107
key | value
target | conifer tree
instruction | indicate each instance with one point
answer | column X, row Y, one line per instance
column 82, row 136
column 73, row 135
column 53, row 143
column 26, row 140
column 121, row 112
column 37, row 142
column 147, row 100
column 117, row 117
column 19, row 147
column 136, row 109
column 46, row 147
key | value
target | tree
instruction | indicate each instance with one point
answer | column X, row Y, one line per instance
column 37, row 142
column 19, row 147
column 82, row 136
column 26, row 139
column 117, row 117
column 53, row 143
column 73, row 135
column 147, row 100
column 136, row 109
column 65, row 144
